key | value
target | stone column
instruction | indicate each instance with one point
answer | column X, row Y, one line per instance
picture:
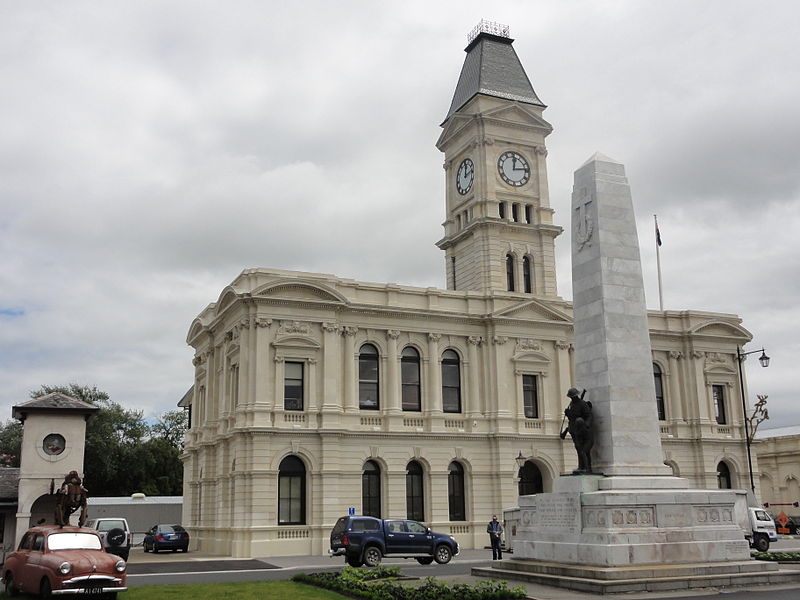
column 350, row 360
column 331, row 368
column 261, row 394
column 474, row 393
column 613, row 357
column 675, row 399
column 434, row 376
column 393, row 374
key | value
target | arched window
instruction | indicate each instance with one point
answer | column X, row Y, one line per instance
column 530, row 480
column 455, row 492
column 371, row 489
column 723, row 476
column 451, row 382
column 409, row 374
column 291, row 492
column 526, row 274
column 415, row 506
column 510, row 272
column 368, row 377
column 662, row 414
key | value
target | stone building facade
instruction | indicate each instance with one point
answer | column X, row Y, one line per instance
column 778, row 451
column 313, row 394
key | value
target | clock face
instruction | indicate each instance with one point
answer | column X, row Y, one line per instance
column 54, row 444
column 514, row 169
column 465, row 176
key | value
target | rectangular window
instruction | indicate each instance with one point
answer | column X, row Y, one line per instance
column 529, row 396
column 502, row 210
column 293, row 386
column 527, row 213
column 411, row 387
column 290, row 500
column 515, row 213
column 718, row 394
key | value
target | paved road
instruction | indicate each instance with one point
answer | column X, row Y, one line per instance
column 196, row 567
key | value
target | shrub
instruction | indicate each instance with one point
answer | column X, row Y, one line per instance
column 351, row 582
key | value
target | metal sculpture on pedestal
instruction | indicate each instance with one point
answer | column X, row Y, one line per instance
column 580, row 428
column 71, row 496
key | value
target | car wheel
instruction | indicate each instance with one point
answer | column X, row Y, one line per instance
column 443, row 554
column 372, row 556
column 10, row 589
column 45, row 590
column 353, row 560
column 425, row 560
column 144, row 547
column 155, row 548
column 761, row 543
column 124, row 555
column 185, row 549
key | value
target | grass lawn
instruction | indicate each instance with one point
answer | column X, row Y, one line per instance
column 246, row 590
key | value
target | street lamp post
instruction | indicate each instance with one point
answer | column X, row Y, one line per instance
column 764, row 360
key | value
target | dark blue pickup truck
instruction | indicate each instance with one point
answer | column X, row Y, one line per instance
column 365, row 540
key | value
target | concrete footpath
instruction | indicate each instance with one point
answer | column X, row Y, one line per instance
column 289, row 565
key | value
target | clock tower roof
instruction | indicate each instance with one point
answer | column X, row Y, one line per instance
column 492, row 67
column 53, row 402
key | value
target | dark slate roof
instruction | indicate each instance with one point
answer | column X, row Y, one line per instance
column 492, row 68
column 187, row 398
column 55, row 401
column 9, row 483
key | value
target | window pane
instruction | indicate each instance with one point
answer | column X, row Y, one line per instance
column 410, row 371
column 718, row 394
column 529, row 396
column 293, row 386
column 368, row 395
column 455, row 492
column 662, row 415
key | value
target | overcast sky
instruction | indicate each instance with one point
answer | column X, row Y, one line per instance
column 151, row 151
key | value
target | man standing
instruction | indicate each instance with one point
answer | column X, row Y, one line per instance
column 495, row 530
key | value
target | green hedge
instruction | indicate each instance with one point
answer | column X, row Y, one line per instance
column 777, row 556
column 352, row 582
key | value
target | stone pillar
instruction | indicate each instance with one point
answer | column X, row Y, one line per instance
column 261, row 394
column 434, row 376
column 393, row 374
column 331, row 368
column 474, row 393
column 613, row 357
column 675, row 397
column 350, row 361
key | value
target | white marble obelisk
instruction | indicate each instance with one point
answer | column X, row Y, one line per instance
column 613, row 358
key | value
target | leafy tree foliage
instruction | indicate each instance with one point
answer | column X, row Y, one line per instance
column 124, row 454
column 10, row 440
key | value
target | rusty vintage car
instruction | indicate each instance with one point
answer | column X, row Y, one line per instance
column 52, row 560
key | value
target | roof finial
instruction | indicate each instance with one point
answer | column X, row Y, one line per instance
column 489, row 27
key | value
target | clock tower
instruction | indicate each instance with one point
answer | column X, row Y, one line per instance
column 499, row 232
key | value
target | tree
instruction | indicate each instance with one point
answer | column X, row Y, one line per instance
column 10, row 441
column 171, row 427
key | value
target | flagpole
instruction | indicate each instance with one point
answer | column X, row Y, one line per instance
column 658, row 264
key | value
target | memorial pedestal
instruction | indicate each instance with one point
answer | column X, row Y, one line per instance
column 597, row 533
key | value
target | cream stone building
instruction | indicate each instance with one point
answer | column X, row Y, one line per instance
column 314, row 394
column 778, row 452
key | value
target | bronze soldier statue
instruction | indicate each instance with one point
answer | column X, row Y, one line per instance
column 579, row 415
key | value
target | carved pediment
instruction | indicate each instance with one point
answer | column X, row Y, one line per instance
column 518, row 113
column 299, row 290
column 533, row 310
column 721, row 329
column 297, row 342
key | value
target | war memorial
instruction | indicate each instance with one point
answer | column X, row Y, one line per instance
column 621, row 522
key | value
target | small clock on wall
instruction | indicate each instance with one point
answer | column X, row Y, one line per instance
column 513, row 168
column 465, row 176
column 53, row 444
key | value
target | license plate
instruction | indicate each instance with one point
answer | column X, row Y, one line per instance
column 93, row 591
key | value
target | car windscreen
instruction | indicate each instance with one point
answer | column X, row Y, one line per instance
column 73, row 541
column 110, row 524
column 170, row 528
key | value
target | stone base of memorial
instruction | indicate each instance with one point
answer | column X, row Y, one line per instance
column 615, row 534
